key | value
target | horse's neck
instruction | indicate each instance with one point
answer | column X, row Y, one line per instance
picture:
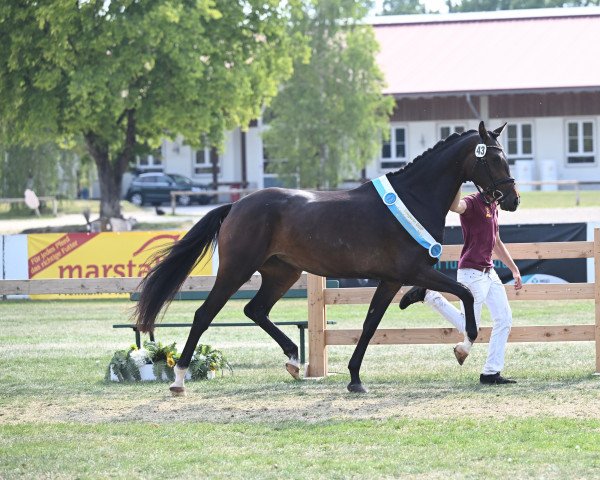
column 429, row 187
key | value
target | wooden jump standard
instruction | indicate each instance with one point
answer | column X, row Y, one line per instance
column 319, row 297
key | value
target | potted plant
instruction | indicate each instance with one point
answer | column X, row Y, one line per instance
column 155, row 361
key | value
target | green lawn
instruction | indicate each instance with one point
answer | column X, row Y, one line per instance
column 19, row 210
column 560, row 199
column 534, row 199
column 425, row 417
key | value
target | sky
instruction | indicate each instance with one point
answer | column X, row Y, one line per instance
column 435, row 5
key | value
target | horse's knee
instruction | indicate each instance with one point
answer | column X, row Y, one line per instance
column 198, row 316
column 200, row 321
column 249, row 310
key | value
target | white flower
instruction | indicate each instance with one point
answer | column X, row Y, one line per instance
column 140, row 357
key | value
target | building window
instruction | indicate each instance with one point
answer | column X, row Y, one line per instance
column 152, row 162
column 519, row 142
column 268, row 166
column 447, row 130
column 202, row 162
column 393, row 151
column 580, row 142
column 270, row 176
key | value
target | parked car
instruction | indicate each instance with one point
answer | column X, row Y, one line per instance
column 155, row 189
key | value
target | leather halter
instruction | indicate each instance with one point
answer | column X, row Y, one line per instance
column 492, row 190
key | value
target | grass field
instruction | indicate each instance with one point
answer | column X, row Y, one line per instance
column 19, row 210
column 425, row 417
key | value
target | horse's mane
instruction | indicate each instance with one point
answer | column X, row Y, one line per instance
column 438, row 146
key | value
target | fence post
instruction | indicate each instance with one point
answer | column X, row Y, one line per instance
column 597, row 295
column 317, row 324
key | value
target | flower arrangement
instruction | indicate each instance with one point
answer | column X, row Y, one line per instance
column 155, row 361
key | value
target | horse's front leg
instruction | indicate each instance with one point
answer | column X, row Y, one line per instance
column 434, row 280
column 382, row 297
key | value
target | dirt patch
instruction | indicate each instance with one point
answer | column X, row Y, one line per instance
column 311, row 401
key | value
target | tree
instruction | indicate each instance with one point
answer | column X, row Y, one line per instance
column 43, row 168
column 402, row 7
column 125, row 74
column 328, row 119
column 492, row 5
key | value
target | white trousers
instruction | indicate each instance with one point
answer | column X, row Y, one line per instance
column 486, row 288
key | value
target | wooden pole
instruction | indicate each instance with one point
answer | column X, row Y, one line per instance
column 317, row 326
column 597, row 295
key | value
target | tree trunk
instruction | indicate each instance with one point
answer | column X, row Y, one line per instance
column 110, row 190
column 214, row 162
column 109, row 177
column 110, row 173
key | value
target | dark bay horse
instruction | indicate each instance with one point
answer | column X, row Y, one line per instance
column 349, row 234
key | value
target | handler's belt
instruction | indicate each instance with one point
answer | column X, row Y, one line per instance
column 407, row 220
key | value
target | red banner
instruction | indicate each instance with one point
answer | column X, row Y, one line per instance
column 57, row 250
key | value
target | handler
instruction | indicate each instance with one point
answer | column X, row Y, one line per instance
column 479, row 222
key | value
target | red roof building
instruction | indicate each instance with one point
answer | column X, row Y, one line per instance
column 539, row 70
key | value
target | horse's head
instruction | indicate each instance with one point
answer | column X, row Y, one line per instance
column 491, row 173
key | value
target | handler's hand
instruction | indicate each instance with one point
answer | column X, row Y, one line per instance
column 518, row 282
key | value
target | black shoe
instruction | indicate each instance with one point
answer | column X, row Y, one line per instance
column 414, row 295
column 494, row 379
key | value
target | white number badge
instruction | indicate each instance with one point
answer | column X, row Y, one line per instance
column 480, row 150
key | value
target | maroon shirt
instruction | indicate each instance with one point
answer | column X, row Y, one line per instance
column 479, row 224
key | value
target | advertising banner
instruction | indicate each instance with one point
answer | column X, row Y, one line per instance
column 99, row 255
column 571, row 270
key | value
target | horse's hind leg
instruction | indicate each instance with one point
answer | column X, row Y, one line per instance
column 225, row 286
column 277, row 278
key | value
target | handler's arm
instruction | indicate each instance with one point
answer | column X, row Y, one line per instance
column 503, row 254
column 458, row 204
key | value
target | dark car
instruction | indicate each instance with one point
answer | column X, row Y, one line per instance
column 156, row 188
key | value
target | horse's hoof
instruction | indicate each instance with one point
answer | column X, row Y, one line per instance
column 177, row 391
column 357, row 388
column 460, row 353
column 293, row 369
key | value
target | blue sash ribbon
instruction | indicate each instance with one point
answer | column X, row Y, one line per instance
column 407, row 220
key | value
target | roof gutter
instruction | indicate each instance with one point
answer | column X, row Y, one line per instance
column 461, row 17
column 516, row 91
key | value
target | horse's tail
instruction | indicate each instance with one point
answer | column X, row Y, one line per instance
column 164, row 280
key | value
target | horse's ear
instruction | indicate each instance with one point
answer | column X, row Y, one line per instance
column 496, row 133
column 483, row 133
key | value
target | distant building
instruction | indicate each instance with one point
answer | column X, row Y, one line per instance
column 538, row 70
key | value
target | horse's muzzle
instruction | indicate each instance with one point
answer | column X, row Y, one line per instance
column 510, row 202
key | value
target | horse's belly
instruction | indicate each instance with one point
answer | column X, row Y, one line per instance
column 339, row 260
